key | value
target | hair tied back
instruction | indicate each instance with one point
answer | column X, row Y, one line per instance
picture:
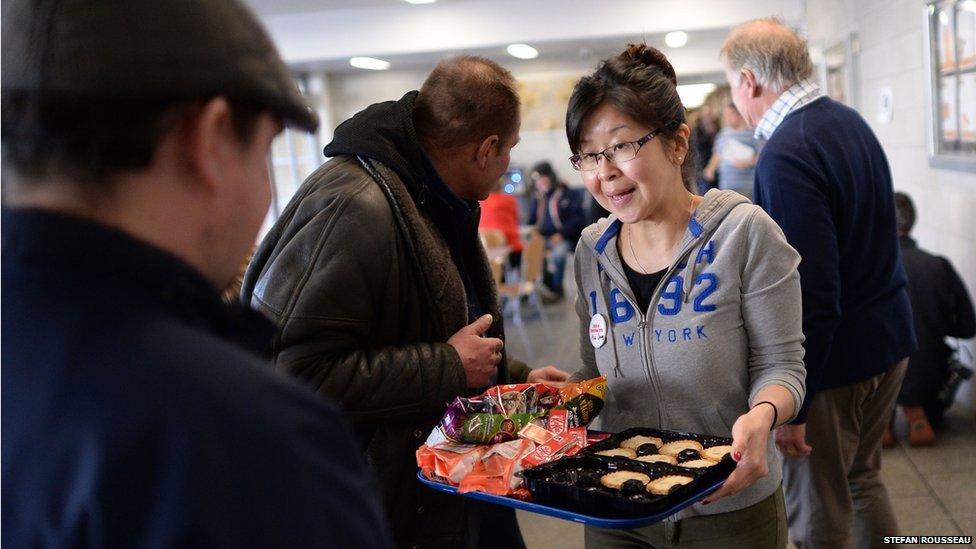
column 648, row 56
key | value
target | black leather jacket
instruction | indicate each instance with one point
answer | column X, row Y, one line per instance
column 364, row 290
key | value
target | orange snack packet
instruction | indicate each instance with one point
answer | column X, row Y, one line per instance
column 495, row 472
column 448, row 461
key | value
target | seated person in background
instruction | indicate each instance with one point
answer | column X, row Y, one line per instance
column 500, row 211
column 734, row 156
column 704, row 289
column 940, row 307
column 381, row 290
column 557, row 213
column 138, row 409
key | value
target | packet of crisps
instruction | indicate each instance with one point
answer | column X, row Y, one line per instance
column 493, row 428
column 494, row 472
column 497, row 414
column 448, row 461
column 583, row 400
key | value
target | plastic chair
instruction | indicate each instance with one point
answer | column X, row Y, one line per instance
column 491, row 238
column 527, row 286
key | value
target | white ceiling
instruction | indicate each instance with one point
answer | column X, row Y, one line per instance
column 698, row 57
column 278, row 7
column 571, row 35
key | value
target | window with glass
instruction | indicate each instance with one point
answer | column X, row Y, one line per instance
column 295, row 154
column 952, row 48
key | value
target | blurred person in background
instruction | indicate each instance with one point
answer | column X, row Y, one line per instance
column 557, row 212
column 703, row 289
column 382, row 293
column 138, row 409
column 941, row 307
column 703, row 143
column 594, row 211
column 732, row 166
column 824, row 178
column 500, row 211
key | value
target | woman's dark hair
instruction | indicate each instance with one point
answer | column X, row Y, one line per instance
column 639, row 82
column 91, row 139
column 544, row 168
column 904, row 213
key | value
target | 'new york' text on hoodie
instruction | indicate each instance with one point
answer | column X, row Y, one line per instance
column 724, row 322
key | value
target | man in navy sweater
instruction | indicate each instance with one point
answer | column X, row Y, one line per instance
column 824, row 178
column 137, row 408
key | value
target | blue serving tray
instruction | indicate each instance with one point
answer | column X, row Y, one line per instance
column 589, row 520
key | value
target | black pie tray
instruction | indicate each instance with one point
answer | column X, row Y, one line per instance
column 565, row 488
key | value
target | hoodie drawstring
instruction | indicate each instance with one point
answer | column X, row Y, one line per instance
column 602, row 277
column 690, row 271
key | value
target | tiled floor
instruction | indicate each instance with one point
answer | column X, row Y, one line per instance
column 933, row 490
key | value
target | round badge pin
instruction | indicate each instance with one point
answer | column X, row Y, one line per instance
column 598, row 331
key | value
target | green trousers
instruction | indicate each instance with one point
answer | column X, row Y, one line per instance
column 759, row 526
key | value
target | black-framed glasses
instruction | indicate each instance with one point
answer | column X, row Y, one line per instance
column 621, row 152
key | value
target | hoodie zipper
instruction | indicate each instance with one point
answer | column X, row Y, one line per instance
column 644, row 327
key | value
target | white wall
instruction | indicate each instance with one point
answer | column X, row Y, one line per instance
column 892, row 38
column 351, row 93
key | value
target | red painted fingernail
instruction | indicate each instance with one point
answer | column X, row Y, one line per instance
column 737, row 455
column 705, row 502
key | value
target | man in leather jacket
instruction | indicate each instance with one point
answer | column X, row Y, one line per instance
column 382, row 293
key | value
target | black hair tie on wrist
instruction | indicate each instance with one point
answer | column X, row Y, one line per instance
column 775, row 412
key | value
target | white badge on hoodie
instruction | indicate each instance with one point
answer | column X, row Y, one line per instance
column 598, row 331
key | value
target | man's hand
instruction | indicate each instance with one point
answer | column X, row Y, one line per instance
column 792, row 440
column 550, row 375
column 749, row 436
column 556, row 238
column 479, row 355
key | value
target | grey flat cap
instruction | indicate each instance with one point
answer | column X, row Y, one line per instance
column 187, row 48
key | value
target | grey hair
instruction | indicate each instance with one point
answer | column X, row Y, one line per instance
column 775, row 53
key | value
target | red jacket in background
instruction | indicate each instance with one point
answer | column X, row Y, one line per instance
column 500, row 211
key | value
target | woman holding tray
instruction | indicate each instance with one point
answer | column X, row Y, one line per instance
column 689, row 305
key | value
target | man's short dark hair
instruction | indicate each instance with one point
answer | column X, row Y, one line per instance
column 904, row 213
column 89, row 139
column 464, row 100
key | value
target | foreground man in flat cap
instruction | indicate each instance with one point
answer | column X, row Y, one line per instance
column 137, row 411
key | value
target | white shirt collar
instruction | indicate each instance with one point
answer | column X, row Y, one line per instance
column 800, row 94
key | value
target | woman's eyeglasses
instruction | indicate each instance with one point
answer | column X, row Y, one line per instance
column 615, row 154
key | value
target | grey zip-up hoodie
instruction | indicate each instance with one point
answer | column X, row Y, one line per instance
column 724, row 322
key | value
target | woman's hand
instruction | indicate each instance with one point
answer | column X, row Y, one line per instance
column 749, row 436
column 550, row 375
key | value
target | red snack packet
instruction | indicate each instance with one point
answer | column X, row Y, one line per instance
column 535, row 433
column 579, row 439
column 558, row 419
column 557, row 446
column 592, row 437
